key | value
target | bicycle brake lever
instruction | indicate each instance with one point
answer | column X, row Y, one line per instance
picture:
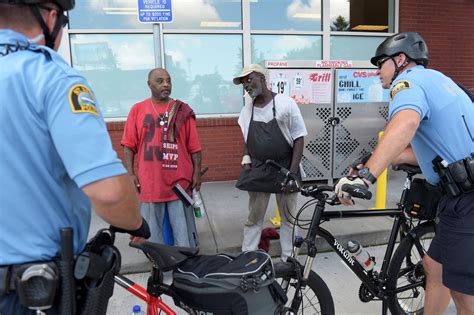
column 333, row 201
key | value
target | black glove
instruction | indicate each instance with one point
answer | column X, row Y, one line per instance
column 142, row 231
column 291, row 185
column 360, row 160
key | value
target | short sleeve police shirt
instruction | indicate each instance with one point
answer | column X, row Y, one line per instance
column 54, row 141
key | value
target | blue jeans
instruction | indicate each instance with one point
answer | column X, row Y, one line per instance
column 154, row 212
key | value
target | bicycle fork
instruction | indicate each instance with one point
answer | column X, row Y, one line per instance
column 310, row 240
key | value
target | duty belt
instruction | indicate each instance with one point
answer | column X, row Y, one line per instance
column 10, row 275
column 457, row 177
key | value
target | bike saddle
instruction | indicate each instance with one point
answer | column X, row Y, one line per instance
column 165, row 257
column 410, row 169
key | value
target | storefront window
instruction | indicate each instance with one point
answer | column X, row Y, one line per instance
column 110, row 14
column 285, row 47
column 116, row 66
column 202, row 68
column 285, row 15
column 206, row 15
column 361, row 15
column 354, row 47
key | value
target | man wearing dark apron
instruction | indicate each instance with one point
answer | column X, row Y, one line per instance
column 273, row 128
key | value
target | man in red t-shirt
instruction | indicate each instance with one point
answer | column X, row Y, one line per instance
column 161, row 133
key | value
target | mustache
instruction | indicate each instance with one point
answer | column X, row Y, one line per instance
column 248, row 94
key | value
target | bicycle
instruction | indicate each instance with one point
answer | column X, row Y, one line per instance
column 399, row 283
column 400, row 279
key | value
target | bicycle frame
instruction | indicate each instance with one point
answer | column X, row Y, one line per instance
column 356, row 268
column 377, row 288
column 154, row 304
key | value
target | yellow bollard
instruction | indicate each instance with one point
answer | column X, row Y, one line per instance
column 381, row 187
column 276, row 220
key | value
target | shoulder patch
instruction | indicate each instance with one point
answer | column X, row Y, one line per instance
column 397, row 87
column 82, row 100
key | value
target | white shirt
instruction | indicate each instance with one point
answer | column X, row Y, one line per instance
column 288, row 117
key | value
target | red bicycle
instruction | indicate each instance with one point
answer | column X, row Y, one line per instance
column 164, row 258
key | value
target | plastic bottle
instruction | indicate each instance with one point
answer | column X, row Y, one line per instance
column 361, row 255
column 297, row 244
column 137, row 310
column 197, row 204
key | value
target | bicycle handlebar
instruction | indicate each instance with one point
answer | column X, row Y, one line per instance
column 357, row 191
column 281, row 169
column 315, row 191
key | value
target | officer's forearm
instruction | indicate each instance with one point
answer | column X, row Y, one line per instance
column 115, row 200
column 396, row 138
column 406, row 157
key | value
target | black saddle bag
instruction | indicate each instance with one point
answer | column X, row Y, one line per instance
column 222, row 284
column 421, row 200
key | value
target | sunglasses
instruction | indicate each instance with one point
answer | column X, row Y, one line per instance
column 380, row 62
column 62, row 18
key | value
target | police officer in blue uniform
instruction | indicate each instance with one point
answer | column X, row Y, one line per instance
column 57, row 159
column 432, row 125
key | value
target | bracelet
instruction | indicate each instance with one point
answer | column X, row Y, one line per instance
column 246, row 160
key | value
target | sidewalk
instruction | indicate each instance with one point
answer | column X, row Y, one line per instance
column 220, row 229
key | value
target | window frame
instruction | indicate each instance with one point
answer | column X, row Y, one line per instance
column 246, row 32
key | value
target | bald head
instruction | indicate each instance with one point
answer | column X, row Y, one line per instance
column 157, row 71
column 159, row 82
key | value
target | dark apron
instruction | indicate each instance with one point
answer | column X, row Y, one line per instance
column 265, row 141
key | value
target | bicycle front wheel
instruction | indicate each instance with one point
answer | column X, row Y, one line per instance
column 316, row 297
column 406, row 276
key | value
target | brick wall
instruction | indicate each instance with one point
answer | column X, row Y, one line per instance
column 221, row 141
column 448, row 28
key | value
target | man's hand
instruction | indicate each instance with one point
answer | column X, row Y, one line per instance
column 291, row 185
column 246, row 162
column 343, row 196
column 142, row 232
column 197, row 180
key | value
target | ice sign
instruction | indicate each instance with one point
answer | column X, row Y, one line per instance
column 155, row 11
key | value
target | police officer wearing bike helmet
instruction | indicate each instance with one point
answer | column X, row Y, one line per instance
column 431, row 123
column 57, row 159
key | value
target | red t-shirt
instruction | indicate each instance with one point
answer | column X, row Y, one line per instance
column 161, row 164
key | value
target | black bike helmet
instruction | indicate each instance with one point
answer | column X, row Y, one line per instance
column 409, row 43
column 65, row 5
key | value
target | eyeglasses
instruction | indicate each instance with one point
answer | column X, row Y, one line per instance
column 380, row 62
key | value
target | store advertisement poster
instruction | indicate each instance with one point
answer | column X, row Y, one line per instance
column 359, row 86
column 305, row 86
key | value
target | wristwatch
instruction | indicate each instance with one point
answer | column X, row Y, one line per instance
column 365, row 173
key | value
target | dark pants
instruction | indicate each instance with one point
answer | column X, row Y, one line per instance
column 10, row 305
column 453, row 245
